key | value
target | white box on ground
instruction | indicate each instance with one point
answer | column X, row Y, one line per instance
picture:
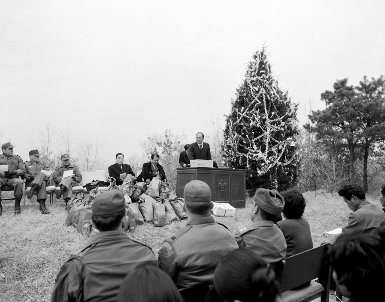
column 196, row 163
column 223, row 209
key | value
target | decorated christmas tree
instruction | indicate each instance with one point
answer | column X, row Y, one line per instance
column 261, row 129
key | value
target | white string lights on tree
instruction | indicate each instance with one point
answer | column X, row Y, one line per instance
column 262, row 122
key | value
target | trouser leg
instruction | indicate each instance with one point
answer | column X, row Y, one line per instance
column 1, row 207
column 43, row 208
column 42, row 193
column 18, row 188
column 17, row 206
column 66, row 186
column 18, row 192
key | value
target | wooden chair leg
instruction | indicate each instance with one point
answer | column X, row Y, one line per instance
column 338, row 294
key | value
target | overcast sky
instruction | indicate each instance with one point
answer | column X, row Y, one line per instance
column 118, row 71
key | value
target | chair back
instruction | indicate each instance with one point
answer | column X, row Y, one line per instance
column 306, row 266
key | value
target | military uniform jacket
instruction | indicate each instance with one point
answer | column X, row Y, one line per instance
column 265, row 238
column 34, row 168
column 366, row 218
column 97, row 271
column 14, row 162
column 59, row 170
column 192, row 254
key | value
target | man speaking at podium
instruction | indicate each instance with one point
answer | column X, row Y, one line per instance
column 199, row 149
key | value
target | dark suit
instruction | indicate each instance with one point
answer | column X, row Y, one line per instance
column 115, row 170
column 147, row 172
column 194, row 152
column 183, row 159
column 366, row 218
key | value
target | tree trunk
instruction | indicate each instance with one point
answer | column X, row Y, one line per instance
column 273, row 178
column 351, row 162
column 366, row 156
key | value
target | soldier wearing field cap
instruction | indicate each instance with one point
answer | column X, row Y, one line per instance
column 66, row 183
column 264, row 236
column 36, row 180
column 192, row 254
column 10, row 176
column 97, row 271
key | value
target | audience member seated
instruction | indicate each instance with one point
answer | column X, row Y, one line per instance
column 264, row 236
column 295, row 228
column 152, row 169
column 148, row 284
column 366, row 217
column 192, row 254
column 119, row 171
column 16, row 168
column 66, row 183
column 36, row 179
column 184, row 161
column 97, row 271
column 242, row 275
column 358, row 266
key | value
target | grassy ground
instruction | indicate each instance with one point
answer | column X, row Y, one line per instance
column 34, row 246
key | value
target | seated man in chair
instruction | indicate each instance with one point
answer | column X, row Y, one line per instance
column 36, row 179
column 66, row 183
column 10, row 178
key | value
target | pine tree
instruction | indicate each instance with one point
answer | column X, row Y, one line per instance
column 261, row 128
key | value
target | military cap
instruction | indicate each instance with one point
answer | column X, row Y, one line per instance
column 7, row 145
column 34, row 152
column 110, row 202
column 270, row 201
column 197, row 191
column 65, row 157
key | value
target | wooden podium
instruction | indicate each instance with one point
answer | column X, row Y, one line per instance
column 227, row 185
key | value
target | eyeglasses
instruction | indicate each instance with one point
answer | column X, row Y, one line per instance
column 10, row 148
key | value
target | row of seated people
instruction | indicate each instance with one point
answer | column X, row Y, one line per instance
column 191, row 256
column 31, row 173
column 357, row 260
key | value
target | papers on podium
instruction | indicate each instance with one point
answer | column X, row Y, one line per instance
column 195, row 163
column 335, row 232
column 68, row 173
column 3, row 168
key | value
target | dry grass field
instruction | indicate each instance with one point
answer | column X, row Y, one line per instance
column 34, row 246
